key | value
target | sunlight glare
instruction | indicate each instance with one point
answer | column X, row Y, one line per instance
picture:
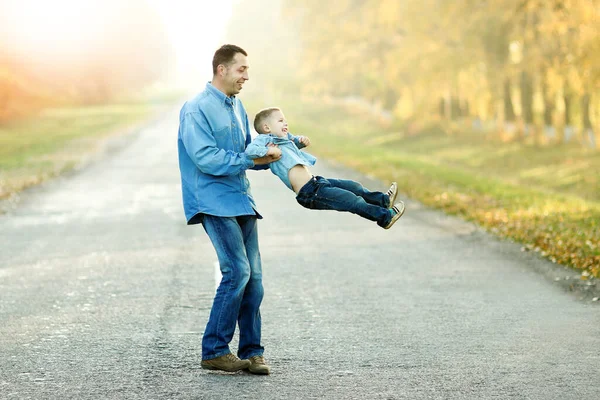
column 195, row 29
column 51, row 34
column 56, row 27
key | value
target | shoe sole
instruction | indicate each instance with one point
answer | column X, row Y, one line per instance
column 396, row 217
column 213, row 368
column 260, row 371
column 392, row 200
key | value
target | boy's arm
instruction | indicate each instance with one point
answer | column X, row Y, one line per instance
column 298, row 140
column 201, row 146
column 258, row 147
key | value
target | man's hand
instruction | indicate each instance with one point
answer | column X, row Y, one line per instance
column 273, row 154
column 304, row 140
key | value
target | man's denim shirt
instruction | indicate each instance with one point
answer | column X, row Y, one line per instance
column 213, row 134
column 290, row 154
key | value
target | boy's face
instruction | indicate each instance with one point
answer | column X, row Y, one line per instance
column 277, row 124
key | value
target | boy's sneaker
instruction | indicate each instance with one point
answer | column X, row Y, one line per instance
column 397, row 211
column 392, row 193
column 228, row 362
column 258, row 366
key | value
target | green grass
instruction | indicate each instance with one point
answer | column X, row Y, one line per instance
column 546, row 198
column 34, row 149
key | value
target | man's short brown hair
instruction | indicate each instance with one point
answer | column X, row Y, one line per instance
column 261, row 116
column 225, row 54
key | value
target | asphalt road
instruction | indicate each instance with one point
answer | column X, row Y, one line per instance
column 105, row 292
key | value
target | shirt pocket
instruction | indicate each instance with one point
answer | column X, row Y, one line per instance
column 223, row 137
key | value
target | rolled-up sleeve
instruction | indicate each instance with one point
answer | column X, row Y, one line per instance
column 258, row 147
column 201, row 146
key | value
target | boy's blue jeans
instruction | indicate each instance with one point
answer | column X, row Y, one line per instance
column 345, row 195
column 240, row 292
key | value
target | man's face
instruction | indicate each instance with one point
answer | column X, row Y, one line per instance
column 236, row 75
column 277, row 124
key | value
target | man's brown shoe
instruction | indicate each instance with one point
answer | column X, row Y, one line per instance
column 258, row 366
column 228, row 362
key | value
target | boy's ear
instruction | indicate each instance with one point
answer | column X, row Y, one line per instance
column 266, row 128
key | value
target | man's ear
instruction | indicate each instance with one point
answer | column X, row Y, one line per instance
column 221, row 70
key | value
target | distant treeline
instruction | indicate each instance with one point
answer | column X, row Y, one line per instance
column 122, row 50
column 527, row 64
column 532, row 62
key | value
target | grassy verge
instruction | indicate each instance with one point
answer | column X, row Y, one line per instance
column 37, row 148
column 548, row 199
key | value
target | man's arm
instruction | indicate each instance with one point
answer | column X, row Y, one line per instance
column 260, row 167
column 262, row 151
column 202, row 148
column 258, row 147
column 273, row 154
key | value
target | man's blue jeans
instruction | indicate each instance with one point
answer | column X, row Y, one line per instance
column 240, row 292
column 345, row 195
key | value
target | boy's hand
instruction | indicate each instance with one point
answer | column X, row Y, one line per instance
column 304, row 140
column 273, row 154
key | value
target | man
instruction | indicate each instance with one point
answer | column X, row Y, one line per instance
column 213, row 133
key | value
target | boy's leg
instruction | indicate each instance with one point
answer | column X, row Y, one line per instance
column 249, row 316
column 228, row 241
column 375, row 198
column 320, row 194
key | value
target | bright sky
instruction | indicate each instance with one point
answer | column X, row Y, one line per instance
column 195, row 29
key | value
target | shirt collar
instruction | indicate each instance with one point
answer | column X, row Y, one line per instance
column 220, row 95
column 275, row 137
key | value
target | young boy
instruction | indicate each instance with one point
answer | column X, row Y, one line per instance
column 316, row 192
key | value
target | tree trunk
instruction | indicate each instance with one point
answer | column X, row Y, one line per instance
column 527, row 101
column 571, row 109
column 549, row 106
column 586, row 123
column 448, row 105
column 538, row 110
column 500, row 116
column 594, row 113
column 560, row 113
column 517, row 108
column 508, row 106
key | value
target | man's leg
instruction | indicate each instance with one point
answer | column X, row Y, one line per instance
column 249, row 315
column 375, row 198
column 249, row 319
column 228, row 241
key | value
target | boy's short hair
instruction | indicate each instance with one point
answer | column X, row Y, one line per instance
column 225, row 54
column 261, row 116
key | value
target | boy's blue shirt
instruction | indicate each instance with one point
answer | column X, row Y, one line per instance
column 290, row 154
column 213, row 133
